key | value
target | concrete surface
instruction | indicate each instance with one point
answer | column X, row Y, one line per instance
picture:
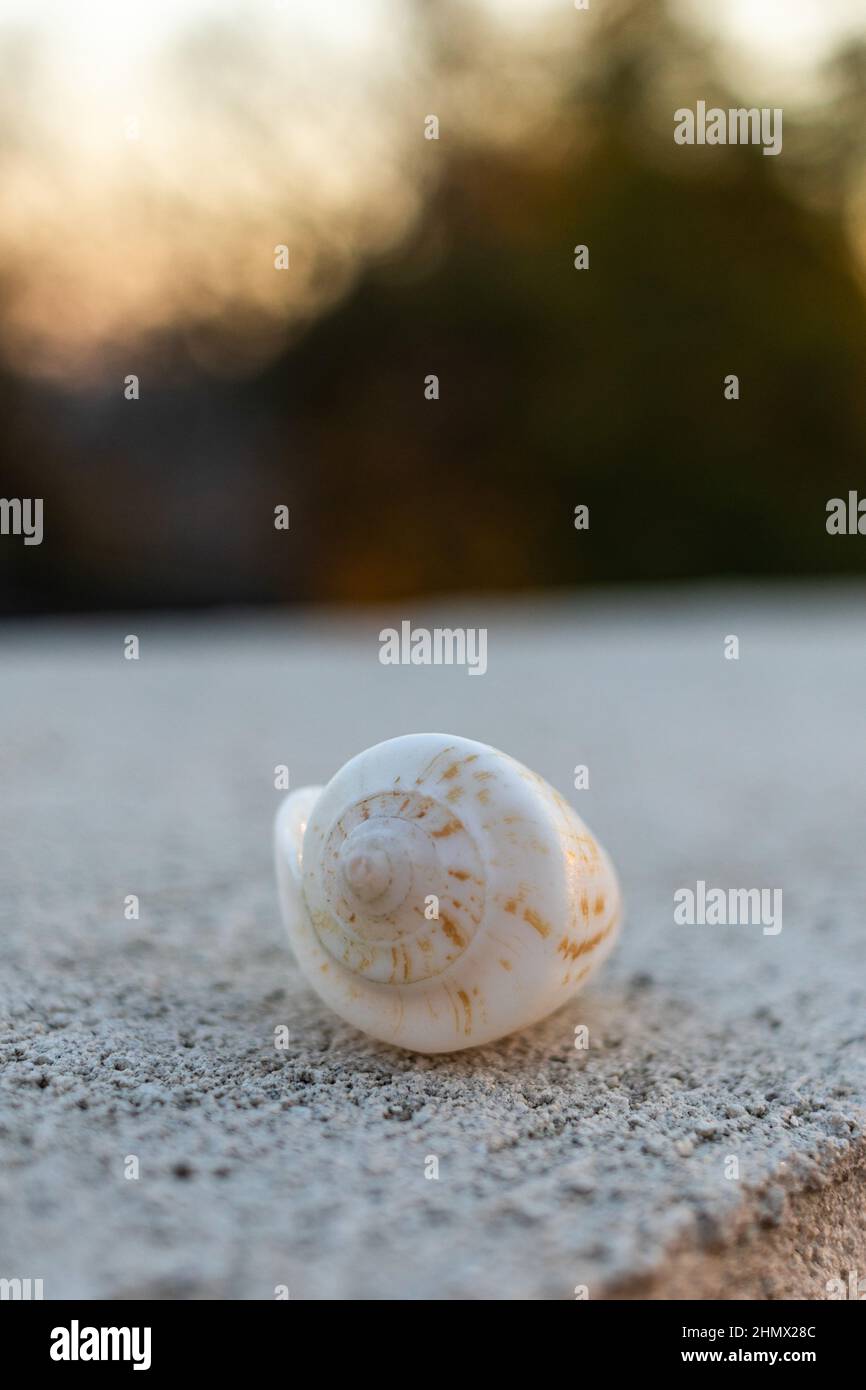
column 557, row 1167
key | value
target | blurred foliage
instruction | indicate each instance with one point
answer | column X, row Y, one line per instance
column 558, row 387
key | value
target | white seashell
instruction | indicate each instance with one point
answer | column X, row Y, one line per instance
column 528, row 902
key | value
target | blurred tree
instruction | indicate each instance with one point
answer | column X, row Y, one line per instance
column 557, row 386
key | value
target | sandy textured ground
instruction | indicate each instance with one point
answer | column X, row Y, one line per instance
column 558, row 1168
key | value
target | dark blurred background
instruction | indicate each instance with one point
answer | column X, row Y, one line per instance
column 147, row 183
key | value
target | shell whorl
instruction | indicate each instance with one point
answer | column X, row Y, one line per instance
column 394, row 884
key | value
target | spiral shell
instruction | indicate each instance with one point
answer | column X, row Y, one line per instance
column 439, row 895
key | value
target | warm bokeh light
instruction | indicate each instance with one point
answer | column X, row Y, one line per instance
column 154, row 154
column 780, row 34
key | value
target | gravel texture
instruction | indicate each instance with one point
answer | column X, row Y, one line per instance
column 305, row 1167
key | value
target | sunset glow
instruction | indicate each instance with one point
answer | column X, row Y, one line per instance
column 156, row 153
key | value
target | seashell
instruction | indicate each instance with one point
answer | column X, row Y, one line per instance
column 439, row 895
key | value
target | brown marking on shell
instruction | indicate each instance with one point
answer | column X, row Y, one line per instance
column 482, row 776
column 450, row 773
column 452, row 931
column 324, row 965
column 454, row 794
column 584, row 906
column 407, row 964
column 453, row 1007
column 596, row 940
column 483, row 796
column 424, row 944
column 449, row 828
column 467, row 1005
column 506, row 964
column 427, row 769
column 537, row 923
column 587, row 849
column 572, row 949
column 511, row 905
column 459, row 873
column 598, row 905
